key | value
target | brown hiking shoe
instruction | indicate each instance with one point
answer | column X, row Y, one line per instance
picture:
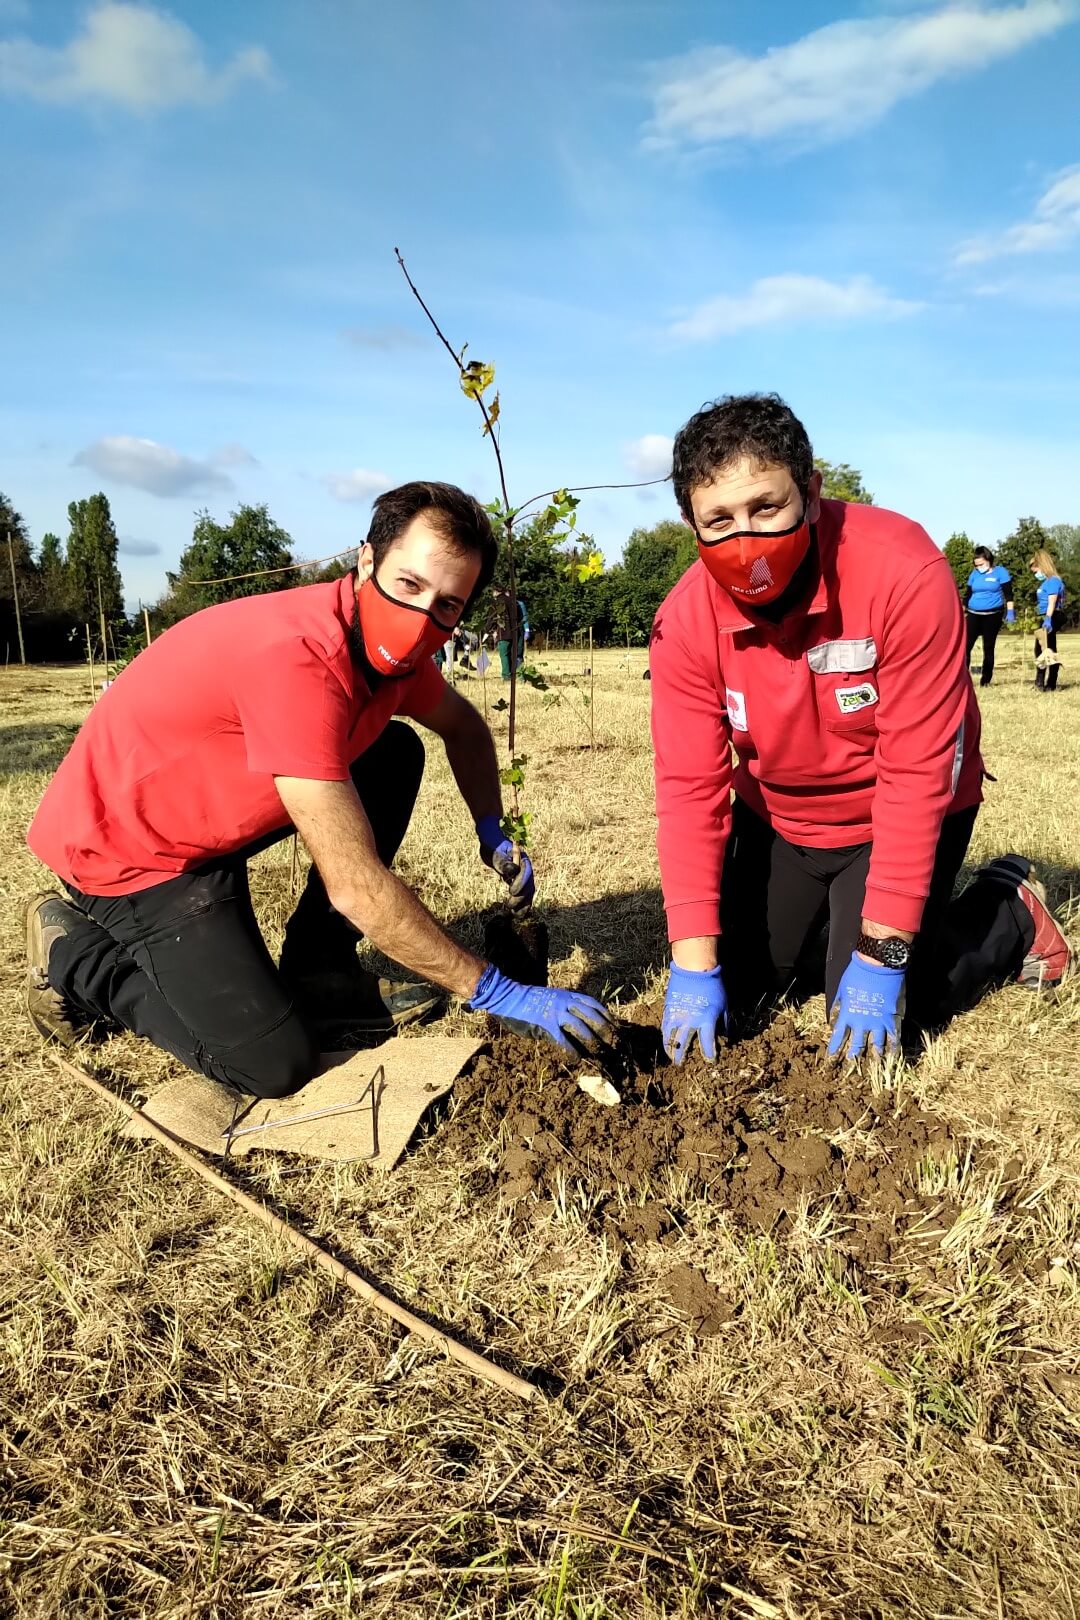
column 48, row 917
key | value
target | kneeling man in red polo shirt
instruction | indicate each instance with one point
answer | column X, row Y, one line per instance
column 823, row 644
column 236, row 727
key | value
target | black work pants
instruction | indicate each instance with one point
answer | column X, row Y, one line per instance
column 987, row 626
column 184, row 965
column 1047, row 678
column 776, row 896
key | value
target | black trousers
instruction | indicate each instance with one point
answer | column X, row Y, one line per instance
column 184, row 965
column 776, row 896
column 1048, row 677
column 987, row 626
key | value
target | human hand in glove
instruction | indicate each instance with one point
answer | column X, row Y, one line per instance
column 1010, row 615
column 567, row 1017
column 497, row 851
column 868, row 1008
column 1048, row 623
column 695, row 1004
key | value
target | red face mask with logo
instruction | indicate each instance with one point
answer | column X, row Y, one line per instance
column 754, row 566
column 397, row 636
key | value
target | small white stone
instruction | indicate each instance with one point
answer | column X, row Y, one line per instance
column 599, row 1089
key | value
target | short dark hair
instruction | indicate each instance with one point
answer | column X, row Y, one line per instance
column 456, row 516
column 983, row 551
column 740, row 427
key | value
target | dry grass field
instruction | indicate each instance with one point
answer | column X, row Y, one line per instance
column 195, row 1424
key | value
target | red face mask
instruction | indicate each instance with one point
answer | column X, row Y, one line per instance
column 397, row 636
column 755, row 566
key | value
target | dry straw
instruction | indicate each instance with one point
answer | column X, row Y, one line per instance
column 477, row 1364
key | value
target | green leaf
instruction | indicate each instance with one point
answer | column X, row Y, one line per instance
column 516, row 827
column 532, row 677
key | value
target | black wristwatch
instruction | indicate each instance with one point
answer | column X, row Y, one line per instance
column 892, row 952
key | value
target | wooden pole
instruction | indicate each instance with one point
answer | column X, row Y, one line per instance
column 592, row 694
column 15, row 596
column 146, row 622
column 90, row 659
column 104, row 636
column 477, row 1364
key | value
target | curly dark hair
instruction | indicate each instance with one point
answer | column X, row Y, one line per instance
column 455, row 515
column 740, row 427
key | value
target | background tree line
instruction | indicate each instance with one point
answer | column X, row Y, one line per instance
column 66, row 585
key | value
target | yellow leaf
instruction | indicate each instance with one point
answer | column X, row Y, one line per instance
column 492, row 414
column 476, row 378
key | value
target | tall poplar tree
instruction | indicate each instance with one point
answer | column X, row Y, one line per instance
column 91, row 560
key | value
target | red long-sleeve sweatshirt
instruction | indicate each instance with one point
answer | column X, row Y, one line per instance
column 853, row 719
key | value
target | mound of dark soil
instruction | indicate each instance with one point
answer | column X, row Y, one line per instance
column 772, row 1125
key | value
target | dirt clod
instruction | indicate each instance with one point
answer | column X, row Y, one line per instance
column 518, row 949
column 705, row 1308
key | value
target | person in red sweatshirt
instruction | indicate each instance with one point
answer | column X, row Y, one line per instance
column 821, row 643
column 240, row 725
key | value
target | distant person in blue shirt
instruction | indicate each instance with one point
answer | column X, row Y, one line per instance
column 989, row 601
column 1050, row 602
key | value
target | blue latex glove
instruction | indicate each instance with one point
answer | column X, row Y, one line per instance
column 695, row 1004
column 567, row 1017
column 1010, row 615
column 868, row 1008
column 1048, row 623
column 497, row 851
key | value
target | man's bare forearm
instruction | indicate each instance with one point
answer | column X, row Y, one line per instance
column 387, row 913
column 331, row 820
column 471, row 753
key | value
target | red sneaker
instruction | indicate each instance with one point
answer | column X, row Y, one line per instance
column 1050, row 957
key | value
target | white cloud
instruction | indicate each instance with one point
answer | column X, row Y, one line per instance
column 777, row 300
column 233, row 455
column 131, row 55
column 649, row 456
column 1054, row 223
column 358, row 485
column 839, row 78
column 153, row 467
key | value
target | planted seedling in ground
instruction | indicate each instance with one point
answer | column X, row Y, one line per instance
column 518, row 948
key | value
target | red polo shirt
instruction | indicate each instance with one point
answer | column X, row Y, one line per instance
column 854, row 720
column 175, row 764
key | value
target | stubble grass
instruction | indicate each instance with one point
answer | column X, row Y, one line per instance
column 196, row 1424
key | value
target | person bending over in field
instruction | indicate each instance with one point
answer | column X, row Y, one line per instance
column 824, row 642
column 238, row 726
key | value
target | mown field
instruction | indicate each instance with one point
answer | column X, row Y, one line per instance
column 195, row 1424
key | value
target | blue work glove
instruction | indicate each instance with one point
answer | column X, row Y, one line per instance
column 1048, row 623
column 695, row 1004
column 868, row 1008
column 569, row 1018
column 1010, row 615
column 497, row 851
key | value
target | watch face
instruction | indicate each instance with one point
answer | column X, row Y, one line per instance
column 894, row 953
column 891, row 953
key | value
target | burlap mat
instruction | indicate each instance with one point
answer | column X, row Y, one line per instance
column 379, row 1097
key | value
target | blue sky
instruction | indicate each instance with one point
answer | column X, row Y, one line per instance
column 630, row 206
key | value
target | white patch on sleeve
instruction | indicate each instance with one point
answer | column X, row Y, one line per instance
column 958, row 757
column 849, row 699
column 735, row 703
